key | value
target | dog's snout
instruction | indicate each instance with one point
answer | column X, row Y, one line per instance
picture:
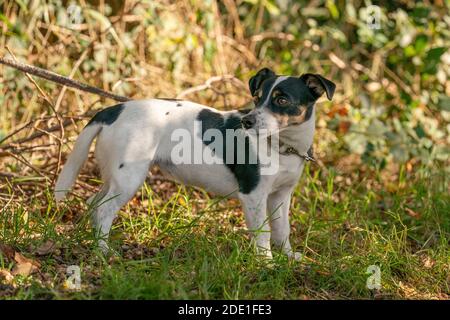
column 248, row 121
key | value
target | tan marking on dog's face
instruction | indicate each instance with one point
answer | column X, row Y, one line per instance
column 276, row 93
column 259, row 93
column 285, row 120
column 257, row 97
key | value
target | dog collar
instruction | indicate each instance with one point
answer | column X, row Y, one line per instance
column 289, row 150
column 309, row 156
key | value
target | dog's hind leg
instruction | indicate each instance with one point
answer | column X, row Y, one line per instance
column 119, row 188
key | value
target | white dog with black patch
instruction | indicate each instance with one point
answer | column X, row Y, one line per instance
column 134, row 136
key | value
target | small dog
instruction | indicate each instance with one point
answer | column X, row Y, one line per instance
column 133, row 136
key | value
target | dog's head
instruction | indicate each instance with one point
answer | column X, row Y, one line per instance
column 283, row 101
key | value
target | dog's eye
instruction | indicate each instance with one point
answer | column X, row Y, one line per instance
column 281, row 101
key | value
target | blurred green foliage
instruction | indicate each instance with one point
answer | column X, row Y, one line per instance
column 392, row 103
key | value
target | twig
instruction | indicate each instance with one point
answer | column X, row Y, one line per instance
column 242, row 49
column 49, row 75
column 391, row 74
column 52, row 106
column 9, row 175
column 272, row 35
column 36, row 135
column 26, row 125
column 219, row 38
column 72, row 73
column 25, row 162
column 208, row 85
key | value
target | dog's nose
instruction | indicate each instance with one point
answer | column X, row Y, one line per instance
column 248, row 121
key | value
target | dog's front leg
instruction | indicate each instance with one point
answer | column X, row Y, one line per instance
column 278, row 205
column 255, row 211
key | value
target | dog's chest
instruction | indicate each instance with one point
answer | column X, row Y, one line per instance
column 290, row 170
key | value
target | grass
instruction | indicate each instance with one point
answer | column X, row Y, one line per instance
column 178, row 243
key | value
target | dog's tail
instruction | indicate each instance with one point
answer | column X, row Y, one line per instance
column 76, row 160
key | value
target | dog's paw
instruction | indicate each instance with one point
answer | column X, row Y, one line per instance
column 297, row 256
column 266, row 259
column 104, row 247
column 264, row 254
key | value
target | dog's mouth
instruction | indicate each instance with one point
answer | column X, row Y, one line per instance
column 269, row 123
column 256, row 125
column 260, row 133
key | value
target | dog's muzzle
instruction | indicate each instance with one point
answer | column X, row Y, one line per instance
column 248, row 121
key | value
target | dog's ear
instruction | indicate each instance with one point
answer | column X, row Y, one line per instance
column 318, row 85
column 256, row 81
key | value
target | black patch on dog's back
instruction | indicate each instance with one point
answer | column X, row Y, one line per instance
column 247, row 174
column 107, row 116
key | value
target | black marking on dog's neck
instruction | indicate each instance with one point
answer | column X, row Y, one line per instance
column 107, row 116
column 309, row 111
column 246, row 174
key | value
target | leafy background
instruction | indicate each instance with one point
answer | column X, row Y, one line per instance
column 391, row 104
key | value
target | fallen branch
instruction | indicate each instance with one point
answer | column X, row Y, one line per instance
column 49, row 75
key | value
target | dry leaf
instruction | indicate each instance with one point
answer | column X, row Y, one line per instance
column 24, row 265
column 344, row 126
column 412, row 213
column 5, row 274
column 340, row 109
column 22, row 259
column 24, row 269
column 323, row 272
column 407, row 290
column 410, row 292
column 46, row 248
column 181, row 201
column 427, row 261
